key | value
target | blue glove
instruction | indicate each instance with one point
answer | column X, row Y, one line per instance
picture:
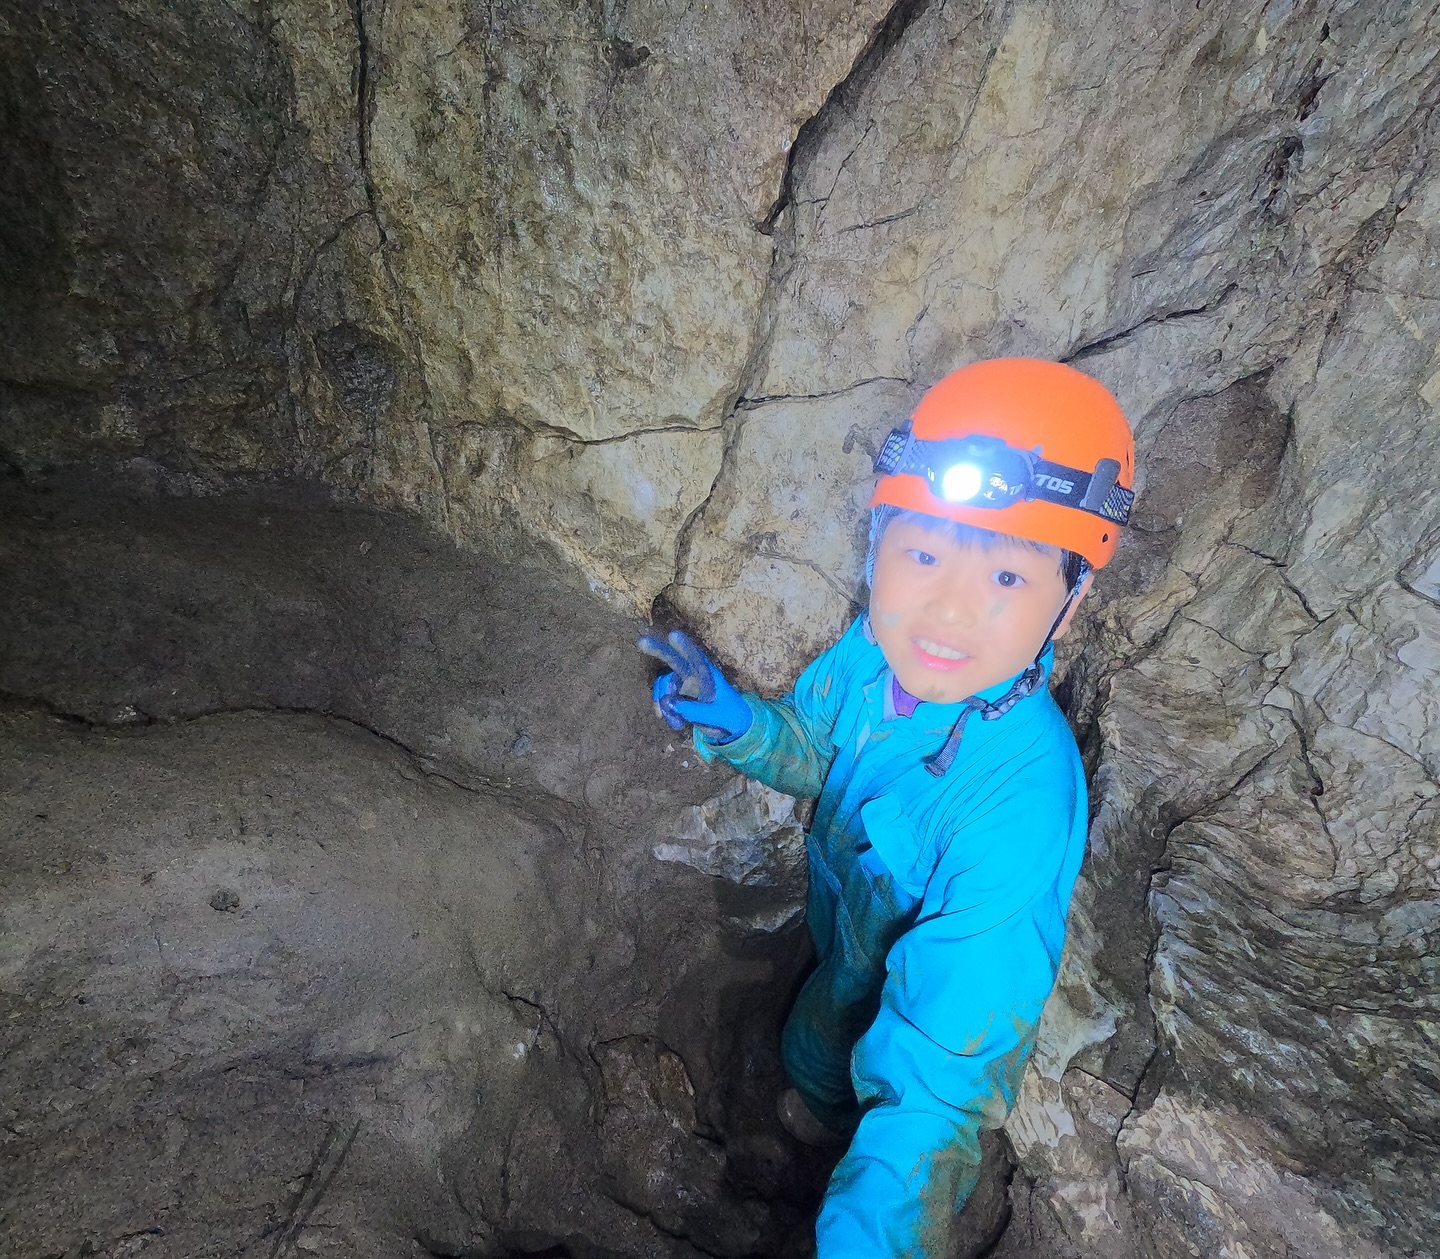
column 694, row 690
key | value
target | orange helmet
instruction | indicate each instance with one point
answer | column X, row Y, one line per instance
column 1019, row 446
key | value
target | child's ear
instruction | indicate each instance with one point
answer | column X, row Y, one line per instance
column 1081, row 591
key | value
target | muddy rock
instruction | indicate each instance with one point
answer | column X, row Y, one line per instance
column 286, row 965
column 628, row 295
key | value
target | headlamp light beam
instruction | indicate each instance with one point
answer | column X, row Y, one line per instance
column 961, row 482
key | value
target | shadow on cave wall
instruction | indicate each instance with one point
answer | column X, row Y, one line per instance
column 331, row 919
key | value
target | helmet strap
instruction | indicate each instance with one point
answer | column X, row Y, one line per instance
column 1032, row 680
column 880, row 518
column 1082, row 571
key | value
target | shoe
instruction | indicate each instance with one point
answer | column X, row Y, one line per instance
column 798, row 1120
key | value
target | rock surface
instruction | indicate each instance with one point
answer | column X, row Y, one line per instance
column 303, row 947
column 1235, row 235
column 747, row 834
column 270, row 1002
column 501, row 264
column 551, row 281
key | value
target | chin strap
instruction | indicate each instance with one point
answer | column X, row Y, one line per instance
column 1060, row 616
column 1073, row 580
column 1024, row 686
column 1032, row 680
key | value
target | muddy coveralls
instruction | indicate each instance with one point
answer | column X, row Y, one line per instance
column 937, row 907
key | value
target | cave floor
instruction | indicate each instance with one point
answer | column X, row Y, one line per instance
column 330, row 919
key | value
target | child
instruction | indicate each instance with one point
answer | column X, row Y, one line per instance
column 952, row 808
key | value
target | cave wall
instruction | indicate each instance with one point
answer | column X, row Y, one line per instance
column 1224, row 215
column 642, row 286
column 499, row 264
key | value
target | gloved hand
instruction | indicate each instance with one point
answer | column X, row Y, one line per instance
column 695, row 690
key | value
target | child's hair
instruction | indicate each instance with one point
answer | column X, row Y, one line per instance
column 1072, row 564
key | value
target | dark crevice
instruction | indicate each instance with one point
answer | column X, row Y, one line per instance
column 1281, row 566
column 886, row 35
column 143, row 720
column 364, row 116
column 844, row 162
column 1316, row 790
column 364, row 86
column 1146, row 1089
column 767, row 546
column 1151, row 1077
column 751, row 404
column 1286, row 157
column 883, row 221
column 325, row 1167
column 1111, row 339
column 1223, row 637
column 574, row 439
column 1311, row 86
column 1007, row 1211
column 685, row 535
column 1300, row 596
column 1407, row 578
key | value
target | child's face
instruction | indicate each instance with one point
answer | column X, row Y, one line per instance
column 953, row 618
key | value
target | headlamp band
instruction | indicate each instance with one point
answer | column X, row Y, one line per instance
column 994, row 474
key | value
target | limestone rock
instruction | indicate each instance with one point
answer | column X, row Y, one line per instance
column 296, row 944
column 750, row 836
column 578, row 286
column 747, row 834
column 657, row 1160
column 775, row 563
column 993, row 188
column 233, row 1062
column 331, row 240
column 1215, row 1173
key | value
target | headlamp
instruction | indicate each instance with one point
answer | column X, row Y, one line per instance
column 982, row 471
column 961, row 482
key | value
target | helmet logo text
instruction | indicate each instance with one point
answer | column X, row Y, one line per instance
column 1054, row 483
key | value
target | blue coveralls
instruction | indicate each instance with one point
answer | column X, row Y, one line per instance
column 937, row 907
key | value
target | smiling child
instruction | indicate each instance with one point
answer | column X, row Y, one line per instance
column 951, row 806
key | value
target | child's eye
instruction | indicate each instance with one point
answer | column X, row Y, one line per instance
column 1008, row 579
column 922, row 557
